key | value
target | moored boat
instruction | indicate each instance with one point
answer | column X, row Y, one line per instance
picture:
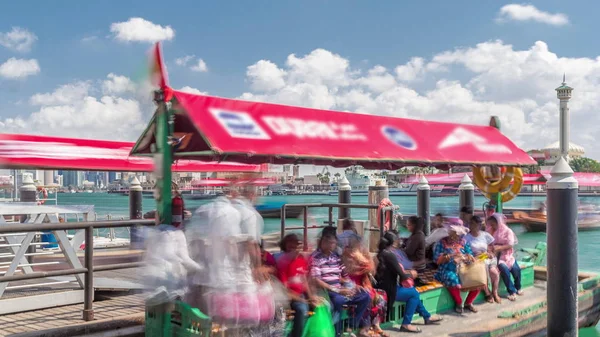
column 536, row 222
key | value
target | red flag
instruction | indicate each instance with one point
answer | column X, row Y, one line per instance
column 158, row 73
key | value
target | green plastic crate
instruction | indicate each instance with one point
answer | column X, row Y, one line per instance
column 176, row 319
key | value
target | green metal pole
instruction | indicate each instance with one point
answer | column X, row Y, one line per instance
column 163, row 159
column 497, row 197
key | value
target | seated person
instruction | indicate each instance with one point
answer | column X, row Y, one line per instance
column 449, row 253
column 389, row 272
column 438, row 232
column 504, row 241
column 293, row 272
column 328, row 273
column 400, row 254
column 415, row 244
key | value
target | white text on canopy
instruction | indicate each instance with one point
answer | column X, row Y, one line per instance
column 302, row 128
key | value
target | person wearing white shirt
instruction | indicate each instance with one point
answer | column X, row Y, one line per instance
column 480, row 242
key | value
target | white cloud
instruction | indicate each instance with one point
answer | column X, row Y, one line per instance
column 200, row 66
column 525, row 12
column 18, row 39
column 15, row 68
column 265, row 76
column 64, row 94
column 75, row 110
column 141, row 30
column 183, row 61
column 496, row 79
column 191, row 90
column 117, row 84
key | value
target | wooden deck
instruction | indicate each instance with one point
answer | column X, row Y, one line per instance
column 108, row 305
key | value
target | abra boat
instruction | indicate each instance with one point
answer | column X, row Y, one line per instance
column 536, row 222
column 272, row 210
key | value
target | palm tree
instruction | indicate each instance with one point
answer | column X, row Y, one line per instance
column 337, row 176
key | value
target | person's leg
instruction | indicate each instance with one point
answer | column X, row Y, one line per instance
column 300, row 313
column 361, row 301
column 455, row 293
column 337, row 302
column 471, row 297
column 495, row 280
column 516, row 273
column 505, row 274
column 411, row 298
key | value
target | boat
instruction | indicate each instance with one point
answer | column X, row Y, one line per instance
column 272, row 210
column 536, row 221
column 202, row 196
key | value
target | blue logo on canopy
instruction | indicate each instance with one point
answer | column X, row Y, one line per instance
column 399, row 137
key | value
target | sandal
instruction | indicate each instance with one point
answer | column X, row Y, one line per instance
column 458, row 309
column 489, row 298
column 512, row 297
column 471, row 308
column 497, row 299
column 520, row 292
column 380, row 332
column 405, row 329
column 433, row 320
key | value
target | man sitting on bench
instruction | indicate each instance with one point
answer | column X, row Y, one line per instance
column 328, row 273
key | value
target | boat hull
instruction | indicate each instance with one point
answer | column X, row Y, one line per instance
column 275, row 213
column 538, row 224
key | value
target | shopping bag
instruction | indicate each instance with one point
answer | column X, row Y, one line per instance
column 472, row 275
column 319, row 324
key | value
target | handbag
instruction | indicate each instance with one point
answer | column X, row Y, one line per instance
column 472, row 275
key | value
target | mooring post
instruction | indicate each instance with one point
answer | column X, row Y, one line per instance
column 562, row 190
column 344, row 197
column 377, row 193
column 423, row 198
column 135, row 211
column 28, row 193
column 466, row 193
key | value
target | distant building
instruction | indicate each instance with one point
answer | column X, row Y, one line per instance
column 550, row 154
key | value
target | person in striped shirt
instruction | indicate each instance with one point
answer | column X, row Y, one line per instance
column 329, row 274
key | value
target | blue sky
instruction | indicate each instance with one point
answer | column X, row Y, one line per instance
column 74, row 43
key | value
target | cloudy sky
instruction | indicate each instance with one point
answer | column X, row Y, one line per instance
column 77, row 68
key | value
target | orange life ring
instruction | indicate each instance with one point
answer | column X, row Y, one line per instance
column 44, row 193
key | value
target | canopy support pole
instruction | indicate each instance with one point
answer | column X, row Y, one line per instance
column 163, row 157
column 496, row 197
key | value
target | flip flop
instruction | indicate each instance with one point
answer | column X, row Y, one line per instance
column 403, row 329
column 471, row 308
column 512, row 297
column 520, row 292
column 433, row 320
column 489, row 298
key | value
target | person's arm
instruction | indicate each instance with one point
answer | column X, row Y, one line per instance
column 411, row 248
column 439, row 255
column 391, row 262
column 507, row 246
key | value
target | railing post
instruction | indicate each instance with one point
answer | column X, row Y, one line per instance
column 305, row 238
column 282, row 221
column 88, row 292
column 135, row 211
column 331, row 216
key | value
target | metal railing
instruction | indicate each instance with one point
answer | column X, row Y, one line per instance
column 88, row 269
column 330, row 221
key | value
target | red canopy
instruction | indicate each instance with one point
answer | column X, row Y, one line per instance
column 251, row 132
column 455, row 178
column 210, row 182
column 583, row 178
column 27, row 151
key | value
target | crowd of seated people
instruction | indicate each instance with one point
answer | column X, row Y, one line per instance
column 343, row 271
